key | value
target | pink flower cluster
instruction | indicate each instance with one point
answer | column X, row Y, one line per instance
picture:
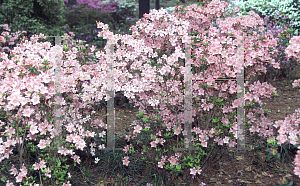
column 293, row 50
column 195, row 171
column 20, row 175
column 29, row 86
column 11, row 40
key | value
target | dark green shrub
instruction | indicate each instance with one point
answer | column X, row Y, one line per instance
column 77, row 16
column 82, row 22
column 125, row 9
column 33, row 16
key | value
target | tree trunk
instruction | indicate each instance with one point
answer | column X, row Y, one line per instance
column 157, row 4
column 144, row 7
column 72, row 2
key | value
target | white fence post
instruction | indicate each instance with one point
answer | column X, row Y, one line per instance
column 240, row 96
column 188, row 94
column 110, row 96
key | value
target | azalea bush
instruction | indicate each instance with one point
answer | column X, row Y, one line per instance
column 263, row 127
column 278, row 16
column 282, row 33
column 29, row 149
column 148, row 69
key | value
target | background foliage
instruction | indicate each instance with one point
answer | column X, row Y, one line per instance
column 33, row 16
column 268, row 8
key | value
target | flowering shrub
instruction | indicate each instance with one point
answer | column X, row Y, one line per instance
column 152, row 78
column 150, row 30
column 279, row 27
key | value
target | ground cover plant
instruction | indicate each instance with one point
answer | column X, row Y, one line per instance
column 138, row 128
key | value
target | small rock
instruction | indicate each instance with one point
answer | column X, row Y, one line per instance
column 239, row 173
column 213, row 179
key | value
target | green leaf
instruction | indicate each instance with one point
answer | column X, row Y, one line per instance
column 145, row 119
column 144, row 158
column 215, row 120
column 145, row 129
column 219, row 100
column 168, row 134
column 20, row 129
column 3, row 179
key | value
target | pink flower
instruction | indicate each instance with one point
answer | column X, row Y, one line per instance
column 173, row 160
column 281, row 138
column 70, row 128
column 39, row 166
column 36, row 166
column 2, row 39
column 226, row 139
column 67, row 184
column 232, row 143
column 177, row 131
column 27, row 112
column 47, row 173
column 194, row 171
column 236, row 9
column 33, row 129
column 2, row 149
column 137, row 129
column 69, row 175
column 219, row 140
column 63, row 151
column 19, row 178
column 80, row 145
column 161, row 164
column 35, row 100
column 10, row 130
column 43, row 143
column 9, row 184
column 162, row 141
column 204, row 143
column 178, row 154
column 23, row 171
column 125, row 161
column 153, row 144
column 13, row 170
column 76, row 158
